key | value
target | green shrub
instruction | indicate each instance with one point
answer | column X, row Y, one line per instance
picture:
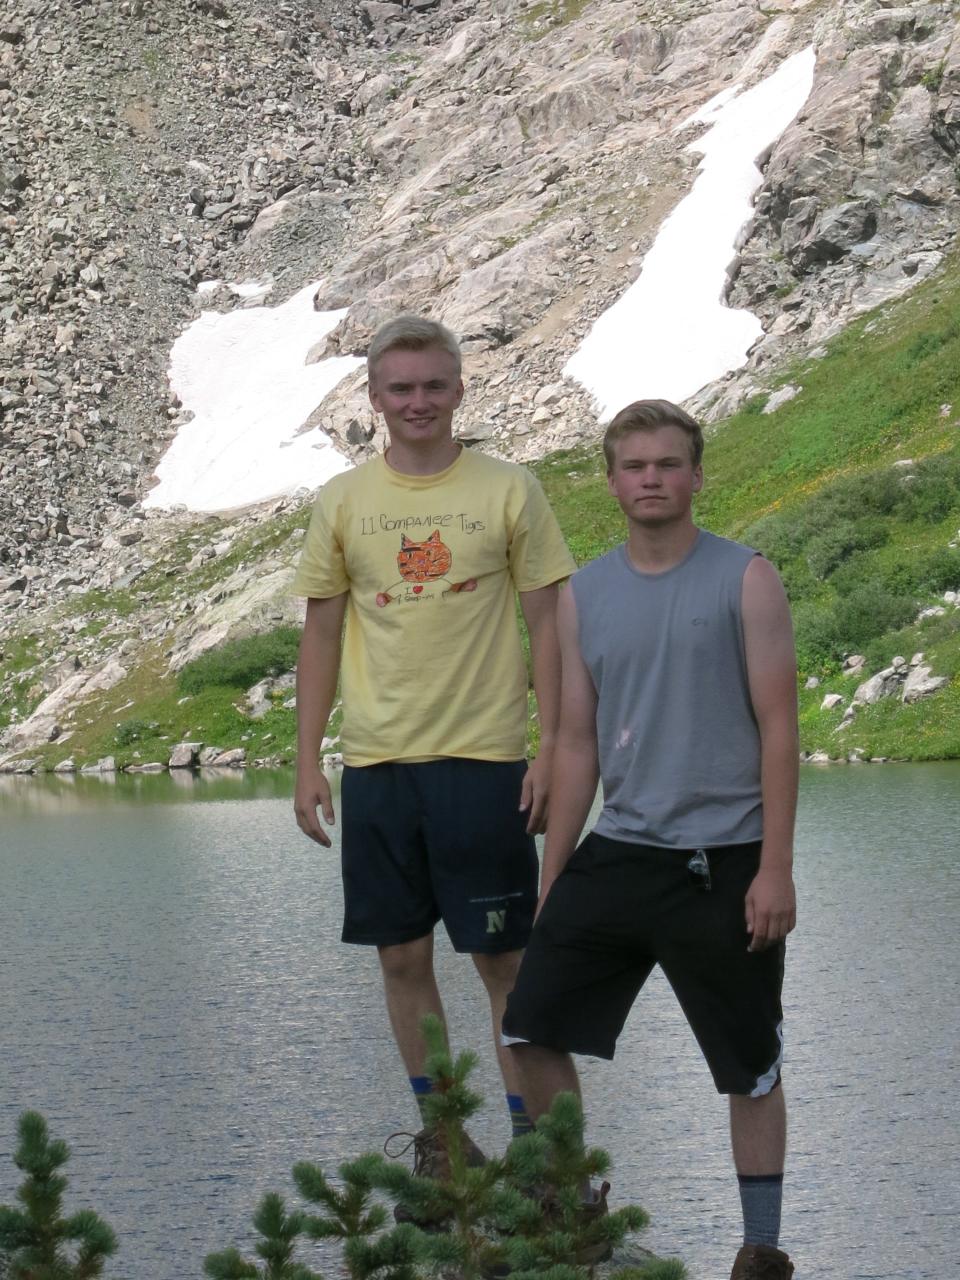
column 870, row 611
column 839, row 541
column 241, row 663
column 131, row 731
column 934, row 489
column 816, row 635
column 825, row 632
column 920, row 575
column 779, row 537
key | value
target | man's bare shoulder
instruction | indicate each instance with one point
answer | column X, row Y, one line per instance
column 761, row 580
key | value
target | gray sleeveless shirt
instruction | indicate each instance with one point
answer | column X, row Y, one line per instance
column 678, row 741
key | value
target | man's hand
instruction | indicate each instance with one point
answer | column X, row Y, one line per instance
column 535, row 793
column 771, row 907
column 313, row 792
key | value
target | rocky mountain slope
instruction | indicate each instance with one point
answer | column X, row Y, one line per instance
column 501, row 163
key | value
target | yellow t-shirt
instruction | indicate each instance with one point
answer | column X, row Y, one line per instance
column 432, row 664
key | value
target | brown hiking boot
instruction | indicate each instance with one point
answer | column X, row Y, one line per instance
column 761, row 1262
column 584, row 1255
column 431, row 1159
column 591, row 1211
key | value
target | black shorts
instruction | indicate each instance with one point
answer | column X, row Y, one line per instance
column 616, row 911
column 442, row 840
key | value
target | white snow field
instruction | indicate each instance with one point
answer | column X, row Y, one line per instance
column 243, row 375
column 670, row 334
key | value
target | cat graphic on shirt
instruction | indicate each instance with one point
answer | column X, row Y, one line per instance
column 420, row 564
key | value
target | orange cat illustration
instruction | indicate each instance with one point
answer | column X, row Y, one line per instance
column 423, row 562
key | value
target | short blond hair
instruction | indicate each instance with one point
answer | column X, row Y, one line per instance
column 411, row 333
column 648, row 415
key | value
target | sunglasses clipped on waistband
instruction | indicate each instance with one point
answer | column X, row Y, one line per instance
column 698, row 871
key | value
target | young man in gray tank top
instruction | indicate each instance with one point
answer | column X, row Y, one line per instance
column 680, row 694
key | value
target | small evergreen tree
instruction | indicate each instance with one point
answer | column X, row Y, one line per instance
column 352, row 1218
column 37, row 1242
column 278, row 1231
column 522, row 1215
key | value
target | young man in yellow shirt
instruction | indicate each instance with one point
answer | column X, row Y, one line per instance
column 415, row 557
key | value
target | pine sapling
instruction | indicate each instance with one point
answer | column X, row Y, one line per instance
column 352, row 1218
column 279, row 1232
column 37, row 1242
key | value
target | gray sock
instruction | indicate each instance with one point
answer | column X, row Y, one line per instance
column 761, row 1197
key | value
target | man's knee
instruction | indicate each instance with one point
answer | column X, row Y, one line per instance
column 407, row 962
column 498, row 972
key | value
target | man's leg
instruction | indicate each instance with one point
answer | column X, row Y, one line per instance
column 411, row 992
column 484, row 870
column 410, row 987
column 758, row 1132
column 498, row 974
column 541, row 1074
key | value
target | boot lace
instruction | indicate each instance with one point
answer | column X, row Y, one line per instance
column 428, row 1150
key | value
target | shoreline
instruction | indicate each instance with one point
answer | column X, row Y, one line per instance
column 236, row 767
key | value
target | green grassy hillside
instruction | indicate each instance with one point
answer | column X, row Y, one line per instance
column 852, row 489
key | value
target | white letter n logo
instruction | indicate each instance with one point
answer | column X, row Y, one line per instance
column 496, row 921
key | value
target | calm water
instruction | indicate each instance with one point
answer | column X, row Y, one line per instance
column 175, row 1000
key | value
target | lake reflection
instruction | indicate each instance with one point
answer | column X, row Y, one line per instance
column 178, row 1004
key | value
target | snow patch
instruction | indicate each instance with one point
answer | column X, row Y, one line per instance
column 242, row 374
column 670, row 333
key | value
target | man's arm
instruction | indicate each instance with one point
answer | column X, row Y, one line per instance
column 576, row 770
column 772, row 675
column 539, row 610
column 318, row 665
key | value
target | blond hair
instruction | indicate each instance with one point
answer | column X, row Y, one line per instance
column 648, row 415
column 411, row 333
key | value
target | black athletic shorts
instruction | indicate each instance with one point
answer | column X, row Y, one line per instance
column 442, row 840
column 616, row 911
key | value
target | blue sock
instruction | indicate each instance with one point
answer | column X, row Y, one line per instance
column 761, row 1197
column 518, row 1116
column 422, row 1087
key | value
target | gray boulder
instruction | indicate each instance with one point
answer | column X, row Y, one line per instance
column 876, row 687
column 184, row 755
column 921, row 682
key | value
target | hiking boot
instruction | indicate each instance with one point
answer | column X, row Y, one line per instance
column 761, row 1262
column 591, row 1211
column 431, row 1159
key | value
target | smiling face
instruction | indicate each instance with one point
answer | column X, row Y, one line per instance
column 418, row 393
column 653, row 476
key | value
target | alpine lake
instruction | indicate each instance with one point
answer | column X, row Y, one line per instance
column 177, row 1002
